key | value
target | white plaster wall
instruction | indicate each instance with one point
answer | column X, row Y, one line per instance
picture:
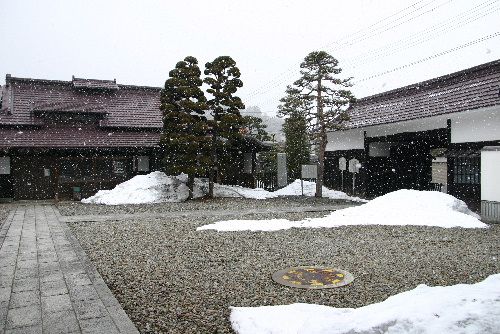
column 490, row 176
column 346, row 140
column 414, row 125
column 476, row 125
column 468, row 126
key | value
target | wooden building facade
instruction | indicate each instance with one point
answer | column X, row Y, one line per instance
column 403, row 138
column 69, row 139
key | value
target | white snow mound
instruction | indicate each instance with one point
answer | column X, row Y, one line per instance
column 402, row 207
column 295, row 189
column 154, row 187
column 453, row 309
column 157, row 187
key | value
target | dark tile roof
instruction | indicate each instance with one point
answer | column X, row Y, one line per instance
column 473, row 88
column 95, row 84
column 128, row 116
column 129, row 106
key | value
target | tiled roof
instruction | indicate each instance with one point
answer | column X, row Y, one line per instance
column 469, row 89
column 129, row 106
column 88, row 113
column 95, row 84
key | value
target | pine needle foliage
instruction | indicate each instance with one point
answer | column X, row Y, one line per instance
column 185, row 138
column 324, row 101
column 223, row 79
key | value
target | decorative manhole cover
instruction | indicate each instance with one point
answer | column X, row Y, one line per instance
column 313, row 277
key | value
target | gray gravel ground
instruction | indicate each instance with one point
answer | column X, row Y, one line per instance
column 172, row 279
column 77, row 208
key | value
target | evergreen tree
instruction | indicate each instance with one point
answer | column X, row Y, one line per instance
column 298, row 148
column 326, row 101
column 223, row 79
column 256, row 128
column 185, row 137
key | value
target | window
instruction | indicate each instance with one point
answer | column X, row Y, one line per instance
column 4, row 165
column 143, row 164
column 466, row 170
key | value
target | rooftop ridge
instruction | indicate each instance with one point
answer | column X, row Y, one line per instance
column 52, row 81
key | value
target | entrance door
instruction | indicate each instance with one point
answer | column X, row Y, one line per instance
column 413, row 166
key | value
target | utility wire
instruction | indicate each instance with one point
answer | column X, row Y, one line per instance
column 286, row 75
column 479, row 40
column 437, row 55
column 421, row 37
column 474, row 14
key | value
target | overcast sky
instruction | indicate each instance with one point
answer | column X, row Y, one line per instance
column 139, row 42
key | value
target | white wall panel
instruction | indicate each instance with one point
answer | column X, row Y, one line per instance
column 476, row 125
column 468, row 126
column 346, row 140
column 490, row 176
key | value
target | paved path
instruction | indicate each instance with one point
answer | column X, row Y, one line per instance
column 201, row 213
column 47, row 284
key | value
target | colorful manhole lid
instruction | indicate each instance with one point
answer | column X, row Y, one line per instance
column 313, row 277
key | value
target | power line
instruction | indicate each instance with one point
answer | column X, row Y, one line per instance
column 286, row 75
column 437, row 55
column 474, row 14
column 479, row 40
column 421, row 37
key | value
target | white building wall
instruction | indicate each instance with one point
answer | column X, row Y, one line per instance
column 468, row 126
column 490, row 176
column 346, row 140
column 476, row 125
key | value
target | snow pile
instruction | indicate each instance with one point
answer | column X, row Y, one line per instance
column 402, row 207
column 241, row 192
column 295, row 189
column 453, row 309
column 157, row 187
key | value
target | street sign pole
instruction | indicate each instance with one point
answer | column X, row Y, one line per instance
column 342, row 180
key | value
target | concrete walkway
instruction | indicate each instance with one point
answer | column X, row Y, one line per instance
column 47, row 284
column 202, row 213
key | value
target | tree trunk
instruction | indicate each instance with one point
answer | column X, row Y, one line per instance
column 212, row 174
column 322, row 141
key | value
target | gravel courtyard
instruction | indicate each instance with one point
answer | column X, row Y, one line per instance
column 172, row 279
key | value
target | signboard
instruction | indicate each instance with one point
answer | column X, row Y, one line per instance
column 247, row 163
column 118, row 167
column 342, row 163
column 4, row 165
column 282, row 173
column 309, row 171
column 354, row 166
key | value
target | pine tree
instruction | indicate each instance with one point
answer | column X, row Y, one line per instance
column 223, row 79
column 185, row 137
column 256, row 128
column 298, row 148
column 326, row 101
